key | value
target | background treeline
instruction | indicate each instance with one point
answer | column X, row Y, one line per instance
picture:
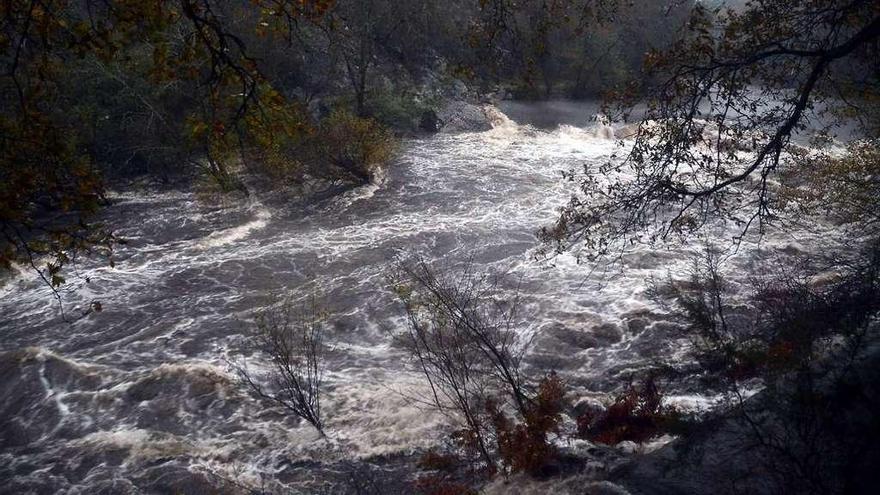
column 295, row 92
column 571, row 49
column 389, row 61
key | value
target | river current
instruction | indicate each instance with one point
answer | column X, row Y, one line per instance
column 139, row 397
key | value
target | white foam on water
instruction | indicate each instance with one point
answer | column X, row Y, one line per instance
column 146, row 445
column 235, row 234
column 692, row 403
column 384, row 417
column 364, row 192
column 498, row 119
column 55, row 395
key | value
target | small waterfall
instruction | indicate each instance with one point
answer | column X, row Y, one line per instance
column 497, row 118
column 602, row 126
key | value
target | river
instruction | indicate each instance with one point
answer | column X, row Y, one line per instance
column 139, row 397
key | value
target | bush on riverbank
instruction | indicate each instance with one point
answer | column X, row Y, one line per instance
column 401, row 111
column 349, row 148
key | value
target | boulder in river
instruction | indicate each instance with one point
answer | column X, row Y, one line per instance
column 461, row 116
column 458, row 89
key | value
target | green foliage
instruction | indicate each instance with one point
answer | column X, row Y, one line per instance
column 399, row 110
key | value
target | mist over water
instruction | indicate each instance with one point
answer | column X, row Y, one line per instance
column 550, row 114
column 140, row 394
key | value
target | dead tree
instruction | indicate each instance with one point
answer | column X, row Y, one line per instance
column 291, row 335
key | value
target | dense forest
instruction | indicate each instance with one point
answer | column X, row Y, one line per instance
column 474, row 246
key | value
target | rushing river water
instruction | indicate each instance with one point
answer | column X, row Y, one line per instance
column 140, row 394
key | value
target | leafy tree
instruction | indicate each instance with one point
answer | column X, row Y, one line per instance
column 50, row 179
column 352, row 148
column 576, row 48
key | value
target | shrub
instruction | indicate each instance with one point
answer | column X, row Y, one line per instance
column 402, row 111
column 463, row 341
column 780, row 322
column 350, row 148
column 461, row 336
column 218, row 178
column 637, row 415
column 525, row 447
column 807, row 345
column 292, row 337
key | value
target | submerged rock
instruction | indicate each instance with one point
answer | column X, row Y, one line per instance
column 171, row 477
column 458, row 88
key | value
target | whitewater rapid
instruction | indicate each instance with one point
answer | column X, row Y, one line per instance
column 141, row 394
